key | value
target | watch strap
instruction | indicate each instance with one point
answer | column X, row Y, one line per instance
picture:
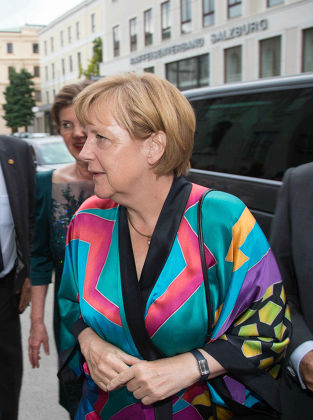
column 203, row 364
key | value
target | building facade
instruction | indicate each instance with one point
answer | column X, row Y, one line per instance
column 66, row 48
column 192, row 43
column 196, row 43
column 19, row 48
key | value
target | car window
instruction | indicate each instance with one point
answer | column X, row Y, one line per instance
column 52, row 153
column 255, row 134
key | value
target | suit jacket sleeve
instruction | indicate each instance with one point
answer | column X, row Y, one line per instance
column 41, row 258
column 31, row 193
column 281, row 242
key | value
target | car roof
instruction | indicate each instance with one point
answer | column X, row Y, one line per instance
column 43, row 140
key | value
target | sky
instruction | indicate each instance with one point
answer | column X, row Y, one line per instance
column 16, row 13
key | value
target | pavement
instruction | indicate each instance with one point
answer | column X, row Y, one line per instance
column 39, row 394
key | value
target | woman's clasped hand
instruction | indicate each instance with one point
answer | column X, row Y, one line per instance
column 112, row 368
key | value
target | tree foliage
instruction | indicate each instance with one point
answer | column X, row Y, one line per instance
column 93, row 68
column 19, row 100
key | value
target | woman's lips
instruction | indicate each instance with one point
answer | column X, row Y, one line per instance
column 79, row 146
column 97, row 174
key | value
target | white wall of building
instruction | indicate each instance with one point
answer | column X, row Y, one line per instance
column 286, row 20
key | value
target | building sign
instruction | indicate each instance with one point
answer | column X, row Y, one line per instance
column 175, row 49
column 240, row 30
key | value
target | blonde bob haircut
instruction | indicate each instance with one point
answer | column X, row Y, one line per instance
column 145, row 104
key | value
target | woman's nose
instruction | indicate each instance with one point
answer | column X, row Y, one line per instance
column 86, row 152
column 79, row 131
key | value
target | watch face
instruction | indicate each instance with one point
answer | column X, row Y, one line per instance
column 204, row 368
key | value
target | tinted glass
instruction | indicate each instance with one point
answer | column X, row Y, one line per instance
column 258, row 135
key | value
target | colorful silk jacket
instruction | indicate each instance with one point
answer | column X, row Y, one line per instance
column 165, row 312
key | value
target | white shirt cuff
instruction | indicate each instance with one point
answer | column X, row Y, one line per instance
column 297, row 355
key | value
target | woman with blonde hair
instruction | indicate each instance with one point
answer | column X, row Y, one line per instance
column 154, row 333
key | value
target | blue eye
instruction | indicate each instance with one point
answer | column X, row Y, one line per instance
column 100, row 138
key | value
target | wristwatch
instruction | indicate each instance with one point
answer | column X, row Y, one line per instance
column 203, row 364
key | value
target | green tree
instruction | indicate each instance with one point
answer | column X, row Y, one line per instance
column 93, row 68
column 19, row 100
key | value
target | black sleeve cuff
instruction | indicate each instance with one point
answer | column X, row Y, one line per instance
column 242, row 369
column 78, row 327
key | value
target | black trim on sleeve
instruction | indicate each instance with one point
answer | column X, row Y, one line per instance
column 242, row 369
column 78, row 327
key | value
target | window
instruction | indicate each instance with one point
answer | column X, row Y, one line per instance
column 148, row 27
column 234, row 8
column 133, row 34
column 47, row 97
column 46, row 73
column 149, row 69
column 165, row 20
column 271, row 3
column 270, row 57
column 36, row 71
column 307, row 55
column 93, row 22
column 189, row 73
column 208, row 12
column 252, row 133
column 9, row 48
column 37, row 95
column 63, row 66
column 53, row 70
column 79, row 60
column 185, row 7
column 70, row 59
column 62, row 39
column 232, row 60
column 10, row 70
column 69, row 34
column 116, row 41
column 35, row 48
column 77, row 30
column 52, row 44
column 45, row 47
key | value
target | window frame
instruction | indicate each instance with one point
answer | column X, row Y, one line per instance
column 69, row 34
column 70, row 61
column 10, row 70
column 133, row 37
column 93, row 22
column 10, row 49
column 208, row 13
column 232, row 4
column 268, row 3
column 262, row 42
column 62, row 38
column 188, row 21
column 35, row 48
column 116, row 40
column 166, row 31
column 148, row 36
column 303, row 50
column 77, row 27
column 36, row 71
column 198, row 59
column 226, row 50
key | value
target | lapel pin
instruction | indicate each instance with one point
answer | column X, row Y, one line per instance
column 10, row 161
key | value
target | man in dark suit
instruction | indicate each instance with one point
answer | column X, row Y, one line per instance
column 17, row 175
column 292, row 243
